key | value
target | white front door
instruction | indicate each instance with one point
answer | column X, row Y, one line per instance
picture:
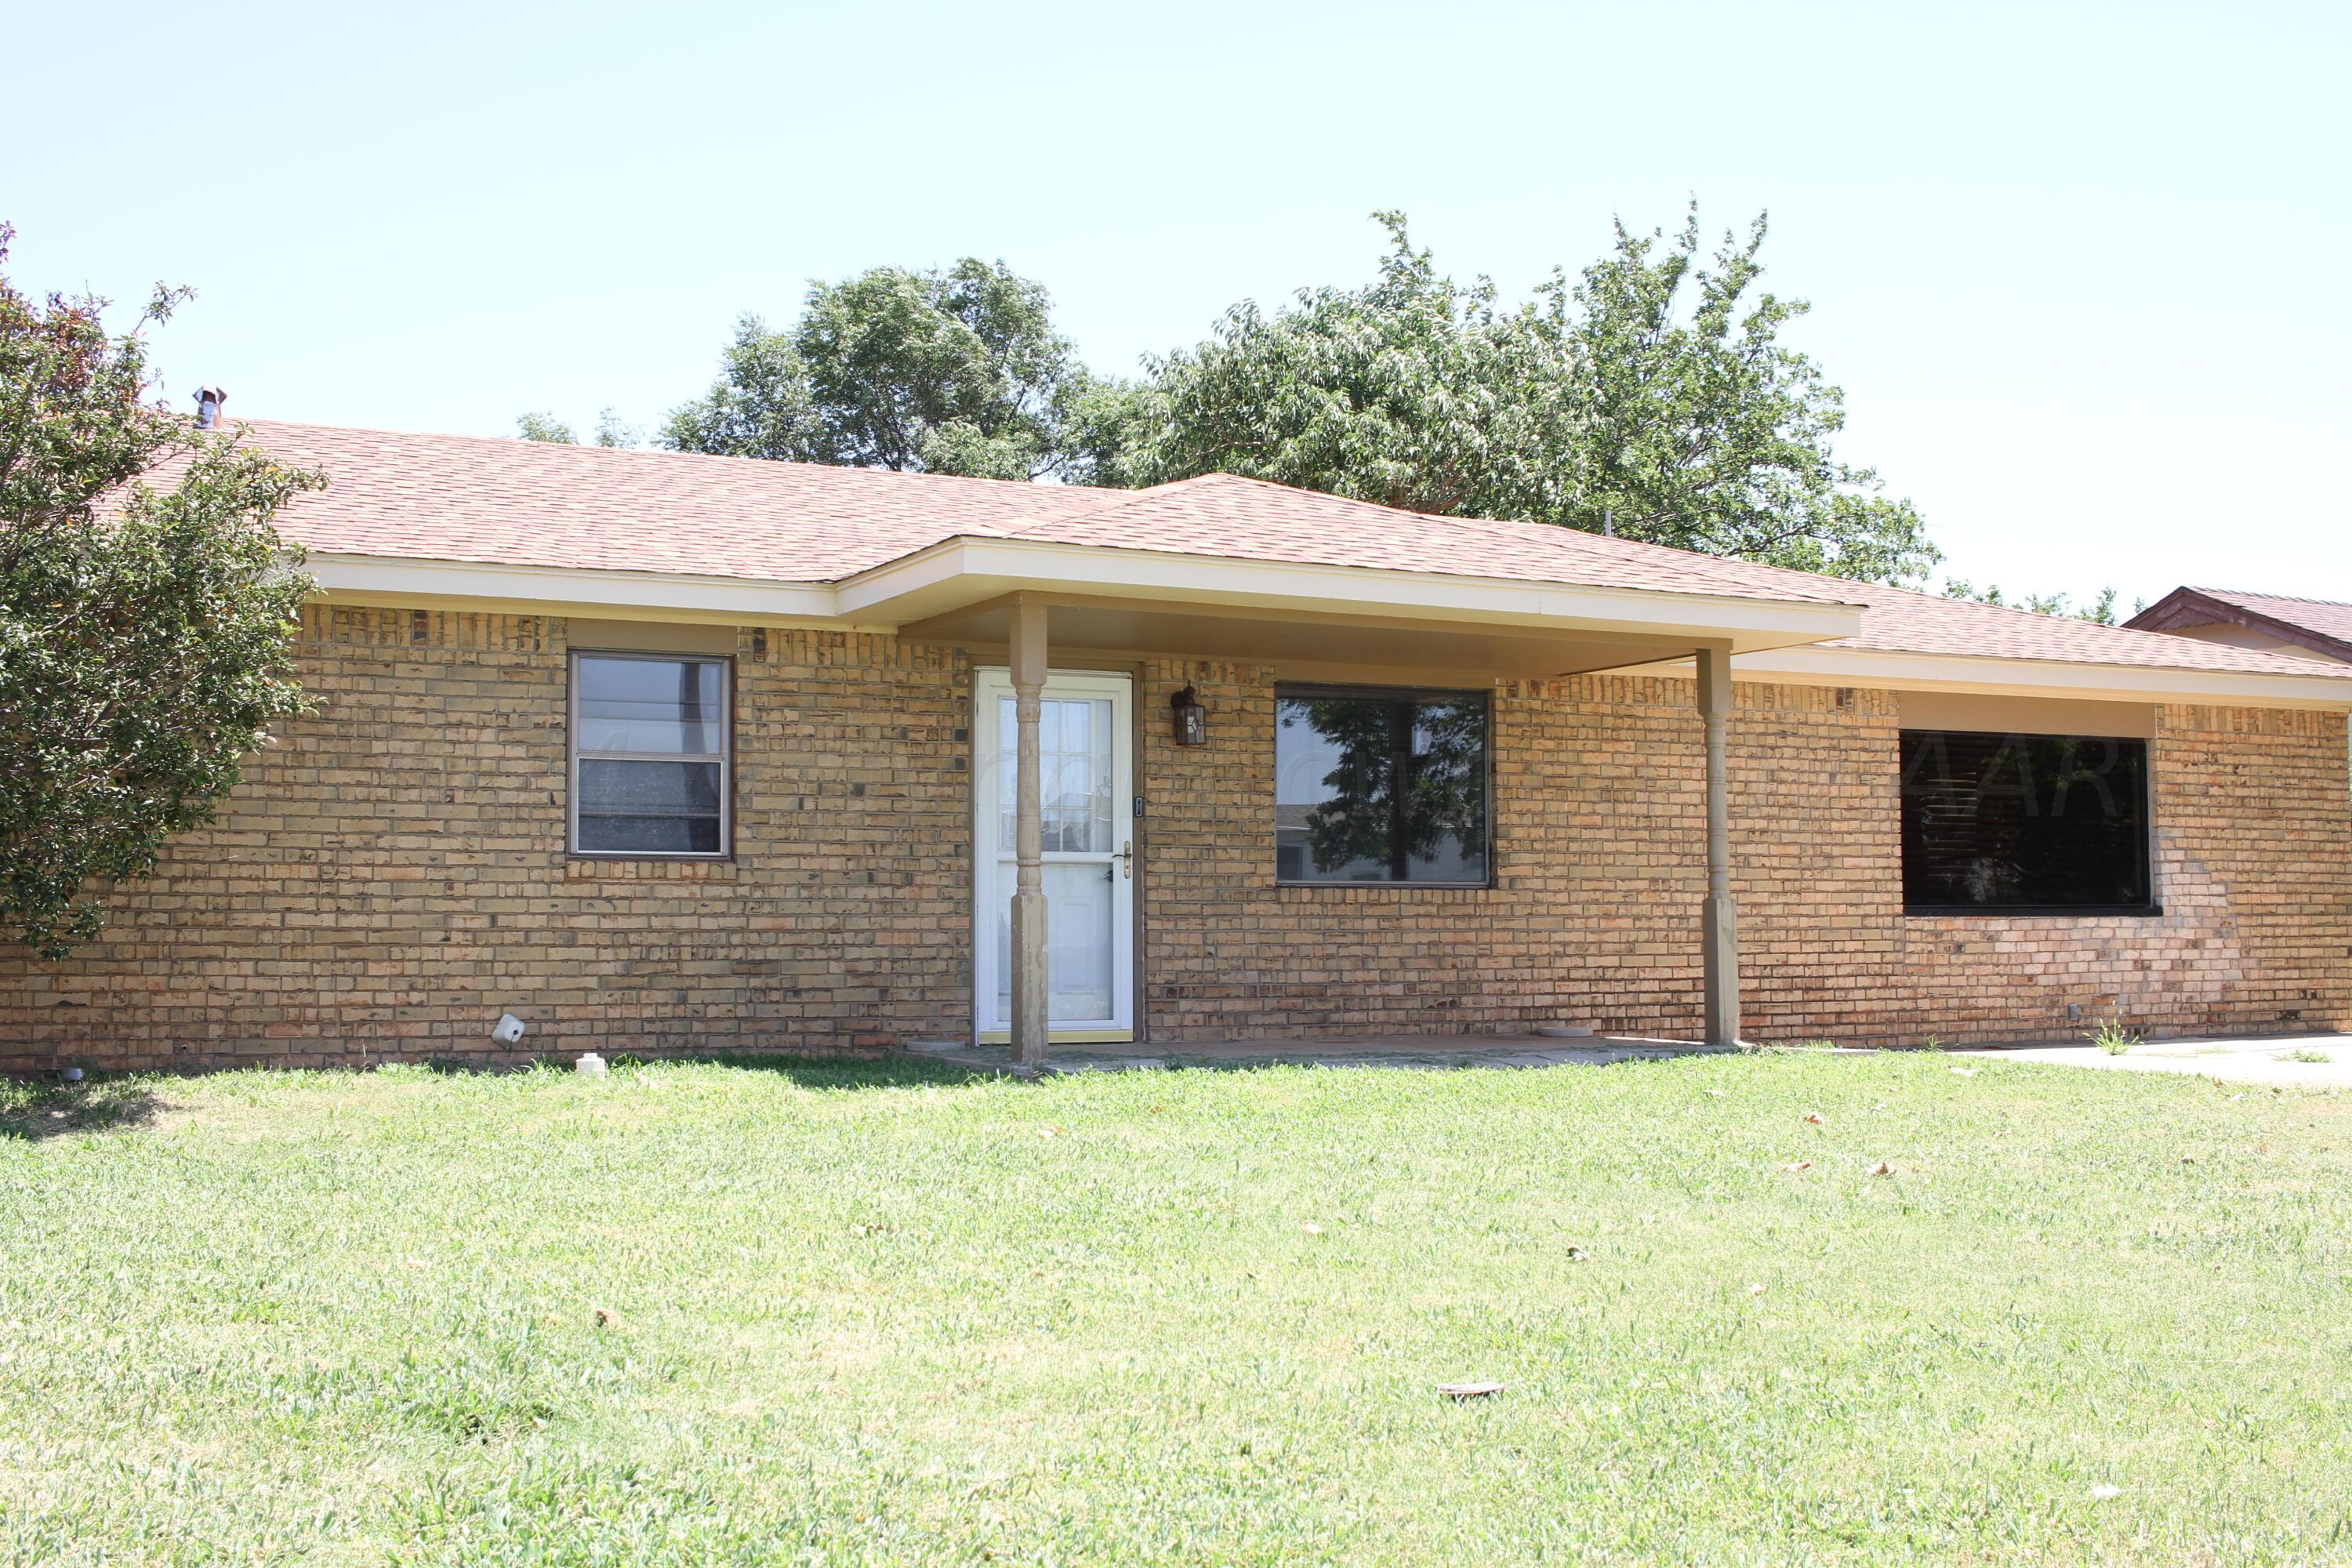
column 1086, row 774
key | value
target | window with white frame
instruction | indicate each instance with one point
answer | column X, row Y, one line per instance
column 650, row 739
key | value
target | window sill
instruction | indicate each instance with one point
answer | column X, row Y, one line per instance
column 651, row 868
column 2032, row 912
column 1381, row 892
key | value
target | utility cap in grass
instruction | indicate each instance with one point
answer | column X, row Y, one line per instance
column 589, row 1065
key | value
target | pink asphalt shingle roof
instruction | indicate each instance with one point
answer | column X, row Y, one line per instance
column 502, row 501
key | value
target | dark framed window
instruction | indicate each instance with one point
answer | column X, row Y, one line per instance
column 651, row 735
column 2025, row 824
column 1378, row 785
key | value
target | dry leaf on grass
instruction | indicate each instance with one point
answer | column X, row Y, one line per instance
column 1882, row 1169
column 607, row 1319
column 1813, row 1116
column 1469, row 1390
column 1755, row 1290
column 1798, row 1165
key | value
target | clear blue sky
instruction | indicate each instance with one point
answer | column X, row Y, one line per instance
column 2076, row 266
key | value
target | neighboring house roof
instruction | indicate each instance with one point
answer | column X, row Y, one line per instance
column 505, row 502
column 2323, row 625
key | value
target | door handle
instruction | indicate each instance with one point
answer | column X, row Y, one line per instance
column 1127, row 859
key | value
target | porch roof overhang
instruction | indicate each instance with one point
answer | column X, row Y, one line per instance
column 1118, row 601
column 1114, row 601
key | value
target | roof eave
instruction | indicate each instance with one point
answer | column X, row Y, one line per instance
column 2080, row 680
column 969, row 569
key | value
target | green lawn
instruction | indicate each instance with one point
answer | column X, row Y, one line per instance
column 881, row 1315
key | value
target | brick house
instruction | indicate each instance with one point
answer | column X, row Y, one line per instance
column 665, row 752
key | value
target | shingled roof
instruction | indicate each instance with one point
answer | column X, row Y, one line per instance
column 2323, row 625
column 501, row 501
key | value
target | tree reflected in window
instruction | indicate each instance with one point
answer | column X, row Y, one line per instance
column 1379, row 786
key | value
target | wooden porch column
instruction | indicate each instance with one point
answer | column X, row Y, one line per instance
column 1719, row 925
column 1029, row 1023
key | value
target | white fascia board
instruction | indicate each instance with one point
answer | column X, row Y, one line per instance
column 2041, row 678
column 542, row 589
column 966, row 570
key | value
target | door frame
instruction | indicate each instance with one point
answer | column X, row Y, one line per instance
column 990, row 683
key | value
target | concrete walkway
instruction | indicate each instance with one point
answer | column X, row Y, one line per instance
column 2319, row 1061
column 2268, row 1059
column 1423, row 1051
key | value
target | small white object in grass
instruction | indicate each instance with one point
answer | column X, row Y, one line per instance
column 73, row 1075
column 1755, row 1290
column 1964, row 1072
column 1469, row 1390
column 589, row 1065
column 2103, row 1491
column 1311, row 1228
column 508, row 1030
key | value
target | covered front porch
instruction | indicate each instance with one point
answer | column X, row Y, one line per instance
column 1029, row 643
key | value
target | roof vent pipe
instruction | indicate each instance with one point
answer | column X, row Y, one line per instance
column 208, row 407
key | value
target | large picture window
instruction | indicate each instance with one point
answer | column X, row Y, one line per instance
column 1379, row 786
column 649, row 745
column 2050, row 823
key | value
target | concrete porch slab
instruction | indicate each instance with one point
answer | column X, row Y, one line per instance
column 1427, row 1052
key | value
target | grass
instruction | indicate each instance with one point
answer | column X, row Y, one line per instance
column 735, row 1314
column 2309, row 1058
column 2112, row 1038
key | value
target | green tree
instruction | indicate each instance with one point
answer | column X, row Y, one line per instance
column 544, row 426
column 147, row 613
column 956, row 370
column 2100, row 611
column 1650, row 395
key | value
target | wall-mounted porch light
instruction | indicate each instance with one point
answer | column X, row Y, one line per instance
column 1191, row 718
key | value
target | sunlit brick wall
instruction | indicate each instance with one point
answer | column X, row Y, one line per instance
column 391, row 875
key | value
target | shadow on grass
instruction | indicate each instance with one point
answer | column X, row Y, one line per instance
column 822, row 1072
column 31, row 1112
column 813, row 1072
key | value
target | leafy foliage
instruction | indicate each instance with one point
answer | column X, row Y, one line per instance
column 146, row 628
column 1650, row 395
column 2100, row 611
column 954, row 372
column 612, row 430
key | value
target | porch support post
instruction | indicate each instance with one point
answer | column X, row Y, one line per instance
column 1719, row 925
column 1029, row 840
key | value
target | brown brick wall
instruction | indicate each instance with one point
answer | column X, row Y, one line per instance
column 392, row 875
column 1600, row 866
